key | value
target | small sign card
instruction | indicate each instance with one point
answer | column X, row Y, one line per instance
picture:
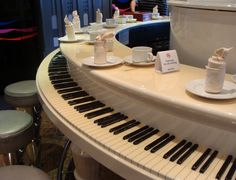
column 167, row 61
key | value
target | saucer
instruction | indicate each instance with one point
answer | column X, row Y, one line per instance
column 111, row 61
column 110, row 25
column 131, row 20
column 128, row 60
column 233, row 77
column 79, row 32
column 65, row 39
column 197, row 87
column 90, row 42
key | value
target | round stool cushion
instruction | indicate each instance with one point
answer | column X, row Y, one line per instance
column 16, row 130
column 21, row 172
column 22, row 93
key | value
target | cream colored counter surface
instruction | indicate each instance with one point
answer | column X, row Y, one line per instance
column 145, row 83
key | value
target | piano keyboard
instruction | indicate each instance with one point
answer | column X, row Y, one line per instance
column 159, row 153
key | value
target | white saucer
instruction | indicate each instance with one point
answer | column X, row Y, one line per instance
column 91, row 42
column 128, row 60
column 79, row 32
column 131, row 20
column 197, row 87
column 65, row 39
column 110, row 25
column 233, row 77
column 111, row 61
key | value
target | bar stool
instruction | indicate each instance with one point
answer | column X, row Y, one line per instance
column 23, row 96
column 21, row 172
column 16, row 131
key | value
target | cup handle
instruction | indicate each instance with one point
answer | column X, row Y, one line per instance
column 150, row 57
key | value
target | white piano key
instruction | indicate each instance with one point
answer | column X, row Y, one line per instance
column 213, row 164
column 178, row 168
column 217, row 168
column 188, row 169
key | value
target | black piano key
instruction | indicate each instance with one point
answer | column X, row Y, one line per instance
column 107, row 117
column 174, row 149
column 74, row 95
column 162, row 144
column 113, row 121
column 98, row 112
column 180, row 151
column 135, row 132
column 143, row 138
column 62, row 81
column 56, row 69
column 208, row 162
column 187, row 154
column 122, row 125
column 58, row 73
column 59, row 77
column 90, row 106
column 157, row 141
column 224, row 167
column 81, row 100
column 231, row 171
column 201, row 159
column 106, row 120
column 65, row 85
column 55, row 65
column 126, row 128
column 62, row 91
column 60, row 62
column 139, row 135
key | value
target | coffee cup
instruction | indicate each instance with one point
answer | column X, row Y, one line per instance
column 142, row 54
column 95, row 26
column 122, row 19
column 94, row 34
column 129, row 17
column 214, row 80
column 111, row 22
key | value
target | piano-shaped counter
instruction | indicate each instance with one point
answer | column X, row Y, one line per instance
column 139, row 123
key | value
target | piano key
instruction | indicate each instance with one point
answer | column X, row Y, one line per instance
column 74, row 95
column 143, row 138
column 162, row 144
column 208, row 162
column 105, row 121
column 126, row 128
column 157, row 141
column 57, row 64
column 231, row 172
column 201, row 159
column 59, row 77
column 62, row 91
column 62, row 81
column 92, row 107
column 139, row 135
column 98, row 112
column 224, row 167
column 56, row 69
column 81, row 100
column 108, row 123
column 217, row 168
column 187, row 154
column 122, row 125
column 211, row 167
column 179, row 172
column 107, row 117
column 174, row 149
column 180, row 151
column 135, row 132
column 65, row 85
column 58, row 73
column 148, row 161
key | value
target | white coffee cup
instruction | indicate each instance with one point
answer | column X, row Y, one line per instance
column 95, row 26
column 142, row 54
column 214, row 80
column 122, row 19
column 129, row 17
column 94, row 34
column 111, row 22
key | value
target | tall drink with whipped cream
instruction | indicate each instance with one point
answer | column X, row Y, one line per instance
column 215, row 71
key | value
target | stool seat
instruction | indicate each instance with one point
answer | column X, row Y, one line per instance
column 16, row 130
column 22, row 93
column 21, row 172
